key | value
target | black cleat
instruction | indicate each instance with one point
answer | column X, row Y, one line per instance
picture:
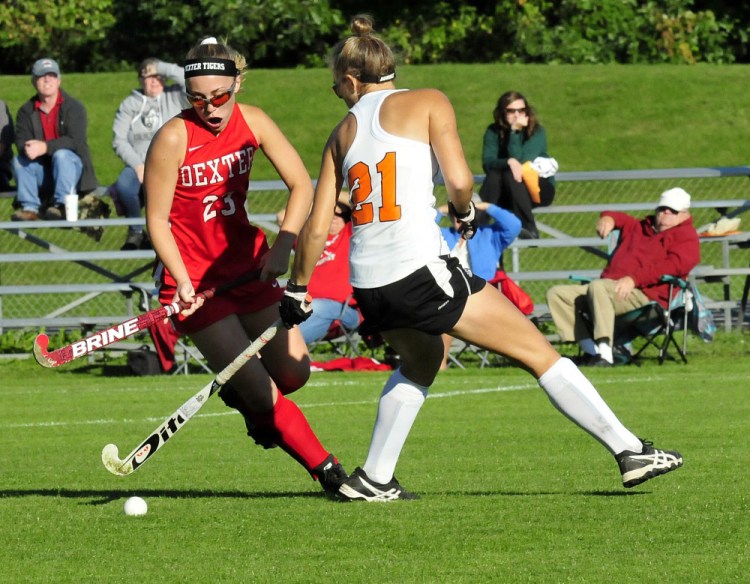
column 330, row 474
column 360, row 487
column 638, row 467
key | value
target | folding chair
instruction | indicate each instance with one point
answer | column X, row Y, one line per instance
column 654, row 323
column 657, row 325
column 188, row 353
column 518, row 296
column 340, row 339
column 168, row 343
column 460, row 348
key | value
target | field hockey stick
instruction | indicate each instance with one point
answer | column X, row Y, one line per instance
column 177, row 420
column 123, row 330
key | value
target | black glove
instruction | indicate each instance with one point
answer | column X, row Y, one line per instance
column 295, row 305
column 467, row 222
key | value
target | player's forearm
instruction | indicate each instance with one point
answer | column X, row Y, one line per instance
column 309, row 248
column 166, row 248
column 460, row 189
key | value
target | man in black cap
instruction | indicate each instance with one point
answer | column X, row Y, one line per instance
column 53, row 153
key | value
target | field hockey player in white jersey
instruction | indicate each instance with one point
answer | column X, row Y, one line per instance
column 386, row 150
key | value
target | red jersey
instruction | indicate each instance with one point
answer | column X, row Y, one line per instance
column 210, row 225
column 208, row 217
column 330, row 278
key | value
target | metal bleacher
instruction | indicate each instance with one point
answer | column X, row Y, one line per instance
column 54, row 276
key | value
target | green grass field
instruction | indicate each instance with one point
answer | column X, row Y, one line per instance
column 511, row 491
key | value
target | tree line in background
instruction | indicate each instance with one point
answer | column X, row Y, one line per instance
column 112, row 35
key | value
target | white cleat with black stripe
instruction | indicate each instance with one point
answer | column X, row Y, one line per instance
column 359, row 487
column 638, row 467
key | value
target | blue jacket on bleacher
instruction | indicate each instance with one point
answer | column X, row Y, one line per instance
column 489, row 242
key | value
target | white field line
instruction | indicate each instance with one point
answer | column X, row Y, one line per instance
column 229, row 412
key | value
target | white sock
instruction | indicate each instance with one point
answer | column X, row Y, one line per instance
column 605, row 351
column 588, row 346
column 572, row 394
column 398, row 408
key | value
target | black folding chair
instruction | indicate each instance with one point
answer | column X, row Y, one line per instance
column 657, row 325
column 340, row 339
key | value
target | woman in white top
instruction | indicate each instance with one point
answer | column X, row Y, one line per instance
column 386, row 150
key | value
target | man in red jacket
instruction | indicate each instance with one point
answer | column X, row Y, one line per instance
column 53, row 152
column 664, row 243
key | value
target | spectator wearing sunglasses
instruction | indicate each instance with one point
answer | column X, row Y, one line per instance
column 663, row 243
column 511, row 145
column 138, row 118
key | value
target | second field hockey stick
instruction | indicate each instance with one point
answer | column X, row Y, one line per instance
column 123, row 330
column 173, row 423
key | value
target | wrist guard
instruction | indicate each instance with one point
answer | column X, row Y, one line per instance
column 295, row 306
column 467, row 222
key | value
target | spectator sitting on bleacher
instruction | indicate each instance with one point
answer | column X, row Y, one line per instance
column 664, row 243
column 53, row 152
column 519, row 171
column 6, row 147
column 481, row 254
column 329, row 286
column 137, row 119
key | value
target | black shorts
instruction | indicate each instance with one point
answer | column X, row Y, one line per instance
column 418, row 301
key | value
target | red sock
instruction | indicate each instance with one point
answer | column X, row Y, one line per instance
column 294, row 434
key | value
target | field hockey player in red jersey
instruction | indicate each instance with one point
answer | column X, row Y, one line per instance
column 196, row 179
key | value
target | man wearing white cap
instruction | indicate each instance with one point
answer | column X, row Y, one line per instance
column 53, row 152
column 663, row 243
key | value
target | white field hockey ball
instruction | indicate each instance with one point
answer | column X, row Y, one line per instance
column 135, row 506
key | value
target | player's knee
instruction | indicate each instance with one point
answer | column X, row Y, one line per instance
column 286, row 389
column 293, row 377
column 422, row 370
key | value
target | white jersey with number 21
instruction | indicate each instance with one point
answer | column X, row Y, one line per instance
column 390, row 181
